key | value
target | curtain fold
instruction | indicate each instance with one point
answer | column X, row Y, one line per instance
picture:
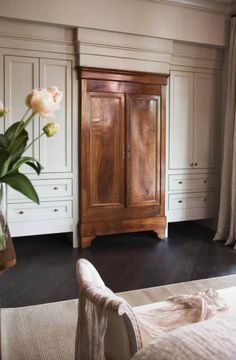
column 226, row 229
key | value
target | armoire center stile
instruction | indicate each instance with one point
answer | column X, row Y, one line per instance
column 122, row 153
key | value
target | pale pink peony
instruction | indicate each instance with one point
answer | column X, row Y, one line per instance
column 44, row 101
column 56, row 94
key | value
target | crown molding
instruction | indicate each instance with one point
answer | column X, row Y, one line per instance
column 221, row 7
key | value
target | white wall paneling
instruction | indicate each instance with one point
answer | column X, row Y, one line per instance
column 33, row 54
column 163, row 19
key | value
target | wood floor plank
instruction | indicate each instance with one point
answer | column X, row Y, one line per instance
column 45, row 270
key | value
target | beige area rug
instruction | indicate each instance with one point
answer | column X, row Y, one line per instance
column 47, row 331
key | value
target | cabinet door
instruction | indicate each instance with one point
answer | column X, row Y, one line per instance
column 102, row 150
column 181, row 120
column 204, row 120
column 55, row 152
column 21, row 76
column 143, row 150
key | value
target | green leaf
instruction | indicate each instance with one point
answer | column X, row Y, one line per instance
column 18, row 144
column 37, row 167
column 4, row 168
column 4, row 155
column 5, row 158
column 3, row 141
column 22, row 184
column 20, row 150
column 1, row 192
column 32, row 162
column 11, row 130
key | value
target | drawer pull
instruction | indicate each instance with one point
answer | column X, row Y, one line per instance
column 56, row 210
column 180, row 201
column 55, row 188
column 180, row 182
column 21, row 212
column 195, row 164
column 205, row 199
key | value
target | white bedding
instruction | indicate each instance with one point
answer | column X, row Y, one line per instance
column 213, row 339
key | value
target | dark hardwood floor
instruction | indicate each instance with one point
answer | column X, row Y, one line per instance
column 45, row 270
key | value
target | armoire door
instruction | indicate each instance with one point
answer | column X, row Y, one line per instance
column 143, row 151
column 103, row 151
column 204, row 121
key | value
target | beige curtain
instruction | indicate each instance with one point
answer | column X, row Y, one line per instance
column 226, row 229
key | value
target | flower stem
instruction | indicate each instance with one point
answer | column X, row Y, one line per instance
column 24, row 124
column 20, row 127
column 20, row 123
column 38, row 137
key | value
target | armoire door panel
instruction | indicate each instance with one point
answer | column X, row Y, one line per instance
column 55, row 153
column 204, row 121
column 106, row 149
column 21, row 76
column 143, row 150
column 181, row 121
column 103, row 151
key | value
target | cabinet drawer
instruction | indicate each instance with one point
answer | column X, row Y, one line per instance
column 44, row 211
column 188, row 201
column 53, row 188
column 192, row 182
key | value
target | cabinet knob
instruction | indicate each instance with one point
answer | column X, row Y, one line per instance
column 56, row 210
column 21, row 212
column 205, row 181
column 55, row 188
column 180, row 182
column 180, row 201
column 205, row 199
column 195, row 164
column 191, row 164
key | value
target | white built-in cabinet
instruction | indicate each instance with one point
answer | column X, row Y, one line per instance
column 22, row 73
column 191, row 178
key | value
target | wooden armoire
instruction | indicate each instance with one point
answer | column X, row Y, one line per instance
column 122, row 153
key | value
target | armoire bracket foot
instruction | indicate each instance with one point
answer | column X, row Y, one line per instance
column 88, row 231
column 160, row 234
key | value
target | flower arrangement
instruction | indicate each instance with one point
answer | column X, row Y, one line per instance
column 14, row 142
